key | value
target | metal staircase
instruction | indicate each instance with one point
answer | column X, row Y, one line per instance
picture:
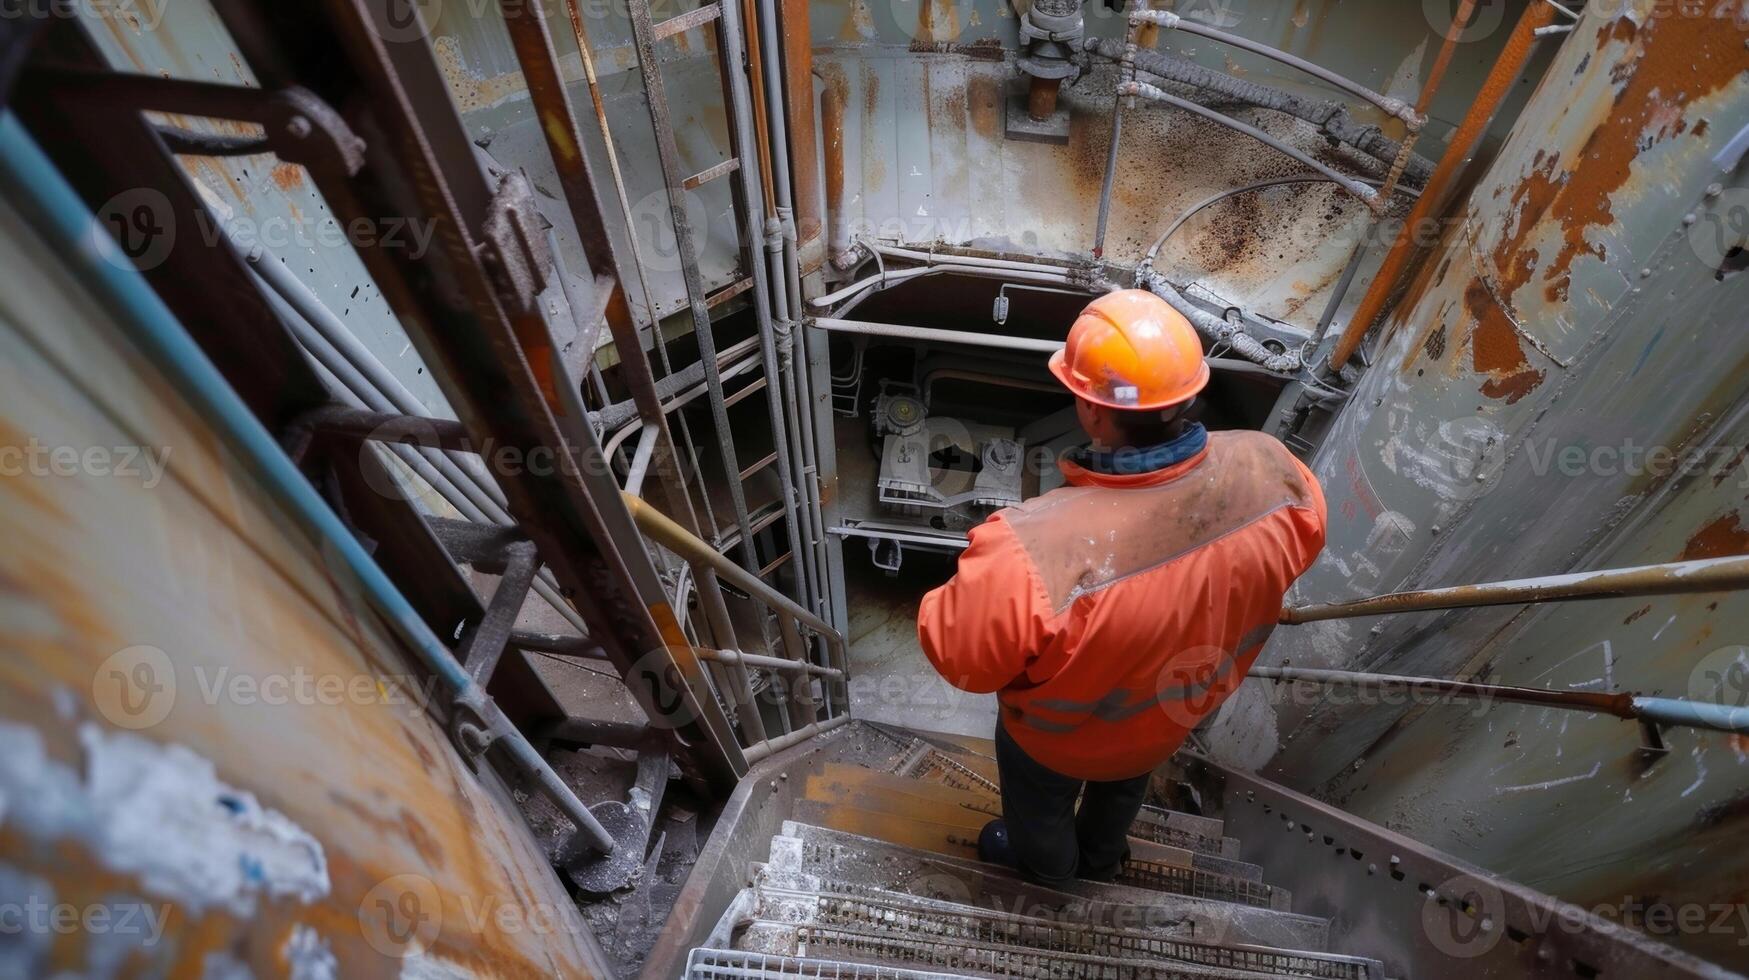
column 877, row 876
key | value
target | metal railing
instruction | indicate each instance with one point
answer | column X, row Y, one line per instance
column 799, row 711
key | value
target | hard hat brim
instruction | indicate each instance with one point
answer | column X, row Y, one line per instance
column 1059, row 366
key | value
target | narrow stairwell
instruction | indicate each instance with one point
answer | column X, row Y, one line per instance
column 877, row 876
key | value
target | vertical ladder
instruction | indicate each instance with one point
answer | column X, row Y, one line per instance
column 724, row 16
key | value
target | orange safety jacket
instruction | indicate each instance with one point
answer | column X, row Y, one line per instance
column 1114, row 614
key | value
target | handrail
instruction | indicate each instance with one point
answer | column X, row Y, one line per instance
column 711, row 568
column 1623, row 704
column 1671, row 578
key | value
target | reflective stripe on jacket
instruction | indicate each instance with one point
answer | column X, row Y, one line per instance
column 1114, row 614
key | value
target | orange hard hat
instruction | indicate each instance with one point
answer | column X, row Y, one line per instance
column 1131, row 350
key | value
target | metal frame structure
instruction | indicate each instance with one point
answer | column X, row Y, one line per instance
column 471, row 309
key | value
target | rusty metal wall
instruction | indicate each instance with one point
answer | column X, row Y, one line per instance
column 913, row 110
column 213, row 759
column 1562, row 389
column 486, row 82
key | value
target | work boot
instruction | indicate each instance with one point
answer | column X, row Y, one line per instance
column 993, row 846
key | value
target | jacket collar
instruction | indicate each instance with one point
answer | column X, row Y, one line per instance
column 1146, row 467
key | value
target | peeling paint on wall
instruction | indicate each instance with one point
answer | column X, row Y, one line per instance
column 161, row 813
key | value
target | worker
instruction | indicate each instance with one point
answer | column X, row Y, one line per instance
column 1112, row 615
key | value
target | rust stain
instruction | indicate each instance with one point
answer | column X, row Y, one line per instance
column 937, row 20
column 1723, row 537
column 984, row 102
column 1671, row 62
column 287, row 176
column 1496, row 350
column 832, row 102
column 1636, row 615
column 874, row 151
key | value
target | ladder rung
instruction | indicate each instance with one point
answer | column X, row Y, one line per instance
column 756, row 385
column 756, row 467
column 776, row 564
column 687, row 21
column 709, row 174
column 729, row 292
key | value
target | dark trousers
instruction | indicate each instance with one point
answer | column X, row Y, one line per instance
column 1053, row 842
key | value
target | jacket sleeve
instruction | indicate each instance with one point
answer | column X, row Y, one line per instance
column 983, row 627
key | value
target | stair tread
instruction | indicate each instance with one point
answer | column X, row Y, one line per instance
column 927, row 921
column 806, row 853
column 953, row 830
column 873, row 789
column 708, row 963
column 876, row 948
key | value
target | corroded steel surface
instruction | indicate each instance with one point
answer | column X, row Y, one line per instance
column 1561, row 390
column 203, row 723
column 913, row 124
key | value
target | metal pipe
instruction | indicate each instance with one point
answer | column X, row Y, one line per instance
column 63, row 219
column 900, row 331
column 463, row 490
column 1171, row 21
column 770, row 663
column 781, row 742
column 1127, row 74
column 947, row 258
column 1694, row 714
column 641, row 459
column 1331, row 117
column 1618, row 704
column 1351, row 185
column 1335, row 301
column 677, row 539
column 1625, row 705
column 730, row 372
column 1469, row 133
column 302, row 299
column 1424, row 102
column 884, row 280
column 1672, row 578
column 904, row 331
column 786, row 437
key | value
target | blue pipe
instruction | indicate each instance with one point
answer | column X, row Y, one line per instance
column 37, row 189
column 1694, row 714
column 58, row 214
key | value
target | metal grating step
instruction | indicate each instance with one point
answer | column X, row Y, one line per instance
column 736, row 964
column 976, row 958
column 929, row 922
column 1160, row 876
column 816, row 859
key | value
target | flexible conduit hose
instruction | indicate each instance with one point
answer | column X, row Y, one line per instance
column 1217, row 329
column 1330, row 117
column 57, row 213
